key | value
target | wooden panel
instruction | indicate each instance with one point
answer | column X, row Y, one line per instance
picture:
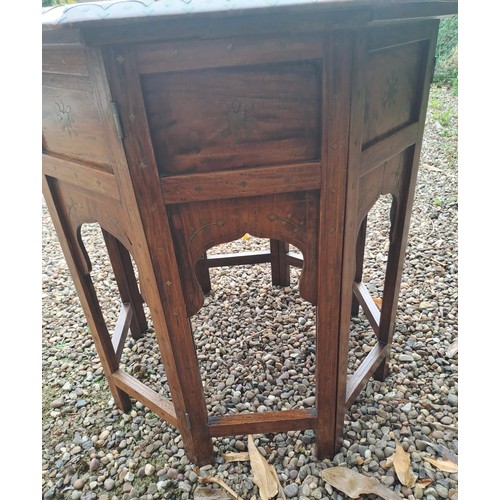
column 70, row 120
column 244, row 182
column 392, row 89
column 67, row 60
column 185, row 55
column 81, row 175
column 383, row 150
column 219, row 119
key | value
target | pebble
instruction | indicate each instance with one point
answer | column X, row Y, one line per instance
column 79, row 484
column 109, row 484
column 291, row 490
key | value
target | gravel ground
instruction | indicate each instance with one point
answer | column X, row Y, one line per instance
column 256, row 351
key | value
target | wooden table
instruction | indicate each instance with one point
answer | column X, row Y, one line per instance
column 181, row 125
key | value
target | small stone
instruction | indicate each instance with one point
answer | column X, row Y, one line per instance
column 309, row 401
column 420, row 445
column 291, row 490
column 446, row 420
column 57, row 403
column 79, row 484
column 405, row 358
column 109, row 484
column 172, row 473
column 149, row 469
column 184, row 486
column 94, row 465
column 453, row 399
column 50, row 493
column 442, row 490
column 240, row 445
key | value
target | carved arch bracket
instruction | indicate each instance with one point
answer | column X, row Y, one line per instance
column 290, row 217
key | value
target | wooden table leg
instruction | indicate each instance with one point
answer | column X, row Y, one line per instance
column 360, row 255
column 203, row 274
column 127, row 283
column 400, row 221
column 280, row 270
column 86, row 293
column 330, row 381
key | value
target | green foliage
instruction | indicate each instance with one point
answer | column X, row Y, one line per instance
column 446, row 72
column 48, row 3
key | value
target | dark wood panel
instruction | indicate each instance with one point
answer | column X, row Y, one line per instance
column 219, row 119
column 244, row 182
column 392, row 89
column 234, row 51
column 71, row 123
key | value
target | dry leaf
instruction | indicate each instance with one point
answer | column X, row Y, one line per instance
column 403, row 467
column 423, row 483
column 431, row 167
column 281, row 492
column 443, row 465
column 207, row 493
column 378, row 303
column 243, row 456
column 355, row 484
column 453, row 349
column 220, row 482
column 246, row 237
column 263, row 475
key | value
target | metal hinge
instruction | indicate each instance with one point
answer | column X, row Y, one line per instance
column 118, row 121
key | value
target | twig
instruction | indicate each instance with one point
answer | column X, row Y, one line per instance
column 220, row 482
column 451, row 427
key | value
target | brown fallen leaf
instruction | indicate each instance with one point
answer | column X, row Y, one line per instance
column 423, row 483
column 220, row 482
column 378, row 303
column 242, row 456
column 207, row 493
column 402, row 467
column 442, row 465
column 355, row 484
column 263, row 475
column 281, row 492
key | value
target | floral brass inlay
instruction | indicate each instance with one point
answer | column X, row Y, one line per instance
column 391, row 91
column 287, row 220
column 65, row 118
column 239, row 122
column 218, row 223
